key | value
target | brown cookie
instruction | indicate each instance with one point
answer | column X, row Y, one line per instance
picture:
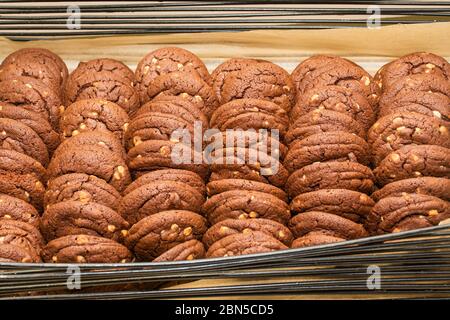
column 75, row 217
column 92, row 160
column 103, row 139
column 237, row 204
column 250, row 114
column 18, row 210
column 94, row 115
column 81, row 187
column 188, row 250
column 19, row 137
column 11, row 253
column 389, row 214
column 244, row 243
column 219, row 186
column 335, row 98
column 263, row 80
column 246, row 163
column 328, row 146
column 38, row 52
column 112, row 67
column 86, row 249
column 438, row 187
column 18, row 163
column 396, row 130
column 330, row 175
column 315, row 238
column 23, row 235
column 26, row 187
column 158, row 196
column 327, row 223
column 175, row 105
column 164, row 61
column 160, row 154
column 233, row 226
column 176, row 175
column 347, row 204
column 33, row 95
column 157, row 126
column 160, row 232
column 411, row 64
column 33, row 120
column 320, row 121
column 187, row 85
column 414, row 161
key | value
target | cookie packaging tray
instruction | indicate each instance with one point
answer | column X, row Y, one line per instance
column 415, row 264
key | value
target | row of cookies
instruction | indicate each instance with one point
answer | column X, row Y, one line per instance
column 31, row 82
column 410, row 144
column 329, row 159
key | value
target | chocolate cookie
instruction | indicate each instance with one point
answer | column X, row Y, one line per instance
column 177, row 106
column 414, row 63
column 396, row 130
column 37, row 52
column 347, row 204
column 26, row 187
column 23, row 235
column 112, row 67
column 104, row 139
column 160, row 154
column 263, row 80
column 233, row 226
column 75, row 217
column 414, row 161
column 188, row 250
column 315, row 238
column 233, row 65
column 438, row 187
column 413, row 85
column 18, row 210
column 219, row 186
column 157, row 196
column 160, row 232
column 85, row 249
column 335, row 98
column 12, row 253
column 33, row 120
column 262, row 141
column 328, row 146
column 250, row 114
column 32, row 95
column 176, row 175
column 103, row 85
column 320, row 121
column 157, row 126
column 246, row 163
column 389, row 214
column 327, row 223
column 244, row 243
column 312, row 63
column 187, row 85
column 17, row 136
column 94, row 115
column 81, row 187
column 18, row 163
column 92, row 160
column 164, row 61
column 237, row 204
column 334, row 174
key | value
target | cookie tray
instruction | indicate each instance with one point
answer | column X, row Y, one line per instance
column 413, row 264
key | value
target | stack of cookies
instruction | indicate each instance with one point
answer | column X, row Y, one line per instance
column 30, row 104
column 162, row 205
column 328, row 157
column 88, row 171
column 247, row 207
column 410, row 144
